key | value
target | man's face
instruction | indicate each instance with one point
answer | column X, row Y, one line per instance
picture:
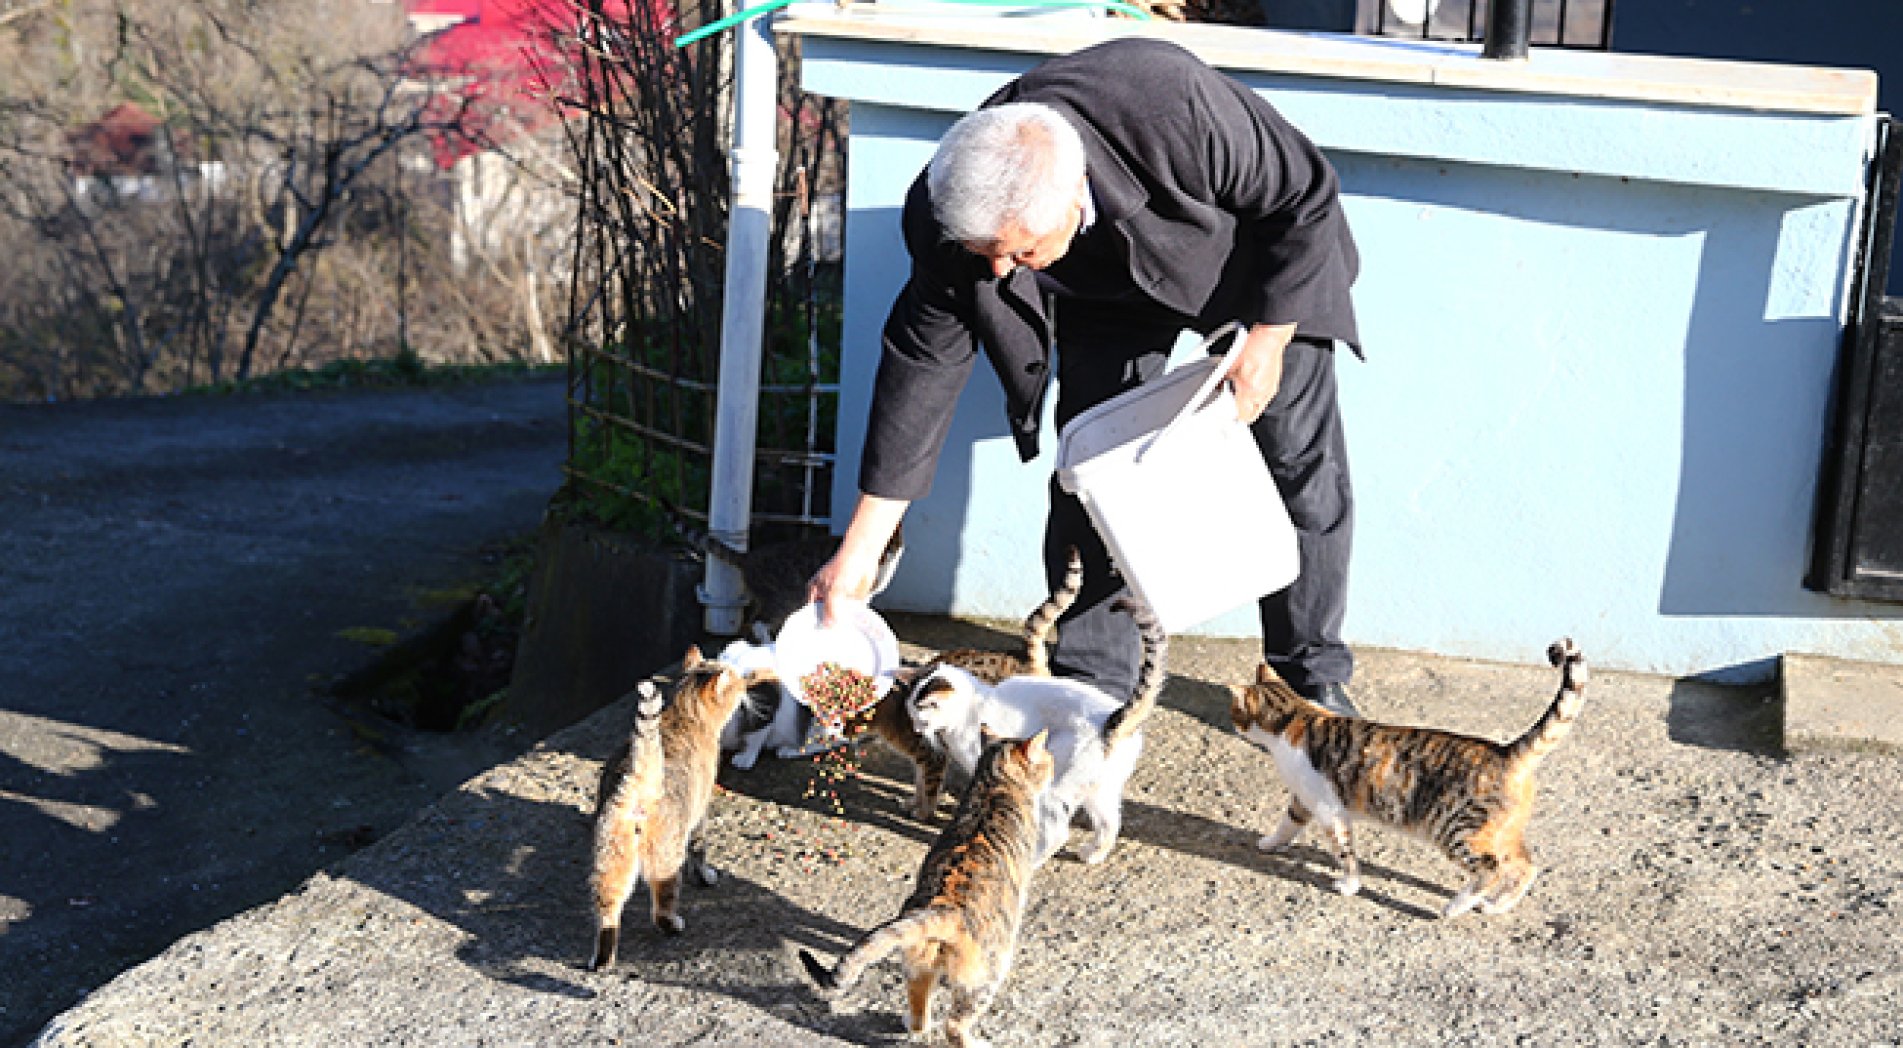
column 1014, row 247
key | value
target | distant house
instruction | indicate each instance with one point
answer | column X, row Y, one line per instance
column 488, row 55
column 125, row 155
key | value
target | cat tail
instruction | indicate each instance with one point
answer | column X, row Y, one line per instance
column 621, row 819
column 911, row 929
column 702, row 540
column 1547, row 732
column 1126, row 719
column 1038, row 626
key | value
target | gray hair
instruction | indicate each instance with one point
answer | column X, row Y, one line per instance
column 1018, row 162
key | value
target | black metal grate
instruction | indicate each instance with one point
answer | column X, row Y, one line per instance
column 1580, row 24
column 1857, row 548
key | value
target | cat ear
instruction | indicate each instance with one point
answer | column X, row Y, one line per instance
column 1033, row 747
column 692, row 659
column 986, row 736
column 1265, row 675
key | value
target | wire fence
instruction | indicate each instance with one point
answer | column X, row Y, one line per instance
column 643, row 325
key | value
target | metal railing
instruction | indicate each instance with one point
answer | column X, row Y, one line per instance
column 1579, row 24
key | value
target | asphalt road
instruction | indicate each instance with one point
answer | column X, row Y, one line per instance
column 175, row 575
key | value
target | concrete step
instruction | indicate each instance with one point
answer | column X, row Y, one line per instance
column 1832, row 703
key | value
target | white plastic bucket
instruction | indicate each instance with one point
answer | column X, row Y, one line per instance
column 1178, row 490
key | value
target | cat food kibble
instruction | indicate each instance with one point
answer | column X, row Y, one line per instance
column 837, row 692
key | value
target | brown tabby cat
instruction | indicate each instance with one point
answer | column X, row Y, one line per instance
column 961, row 923
column 1472, row 797
column 654, row 795
column 892, row 719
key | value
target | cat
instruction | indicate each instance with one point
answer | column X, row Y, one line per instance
column 769, row 716
column 1471, row 797
column 775, row 574
column 891, row 720
column 960, row 925
column 654, row 794
column 1095, row 739
column 773, row 717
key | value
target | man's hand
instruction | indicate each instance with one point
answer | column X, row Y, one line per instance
column 849, row 575
column 1257, row 372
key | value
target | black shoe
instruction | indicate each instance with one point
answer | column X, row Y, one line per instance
column 1331, row 697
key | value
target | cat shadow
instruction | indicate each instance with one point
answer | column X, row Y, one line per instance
column 1199, row 700
column 1204, row 838
column 510, row 874
column 877, row 796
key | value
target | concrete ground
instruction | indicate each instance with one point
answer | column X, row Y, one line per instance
column 1702, row 886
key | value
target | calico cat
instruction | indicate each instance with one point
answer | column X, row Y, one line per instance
column 892, row 717
column 775, row 574
column 1095, row 739
column 1472, row 797
column 654, row 795
column 768, row 716
column 960, row 925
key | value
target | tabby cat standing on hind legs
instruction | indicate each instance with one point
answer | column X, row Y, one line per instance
column 1469, row 796
column 1094, row 738
column 654, row 796
column 960, row 925
column 892, row 717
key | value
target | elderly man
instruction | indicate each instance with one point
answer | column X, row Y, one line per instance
column 1101, row 203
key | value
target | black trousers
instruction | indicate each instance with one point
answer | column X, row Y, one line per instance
column 1301, row 439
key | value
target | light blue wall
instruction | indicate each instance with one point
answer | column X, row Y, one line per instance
column 1600, row 338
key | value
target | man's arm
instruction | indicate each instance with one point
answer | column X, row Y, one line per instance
column 926, row 357
column 855, row 565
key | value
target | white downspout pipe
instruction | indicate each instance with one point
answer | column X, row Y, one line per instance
column 743, row 316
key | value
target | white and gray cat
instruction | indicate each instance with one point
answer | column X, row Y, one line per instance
column 775, row 575
column 768, row 716
column 1094, row 738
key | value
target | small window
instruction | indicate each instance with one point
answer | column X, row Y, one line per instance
column 1583, row 24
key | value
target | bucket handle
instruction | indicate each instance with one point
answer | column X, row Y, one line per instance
column 1208, row 386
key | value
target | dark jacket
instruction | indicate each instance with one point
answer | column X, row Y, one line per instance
column 1223, row 207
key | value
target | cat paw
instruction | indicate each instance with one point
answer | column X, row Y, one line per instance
column 670, row 924
column 1095, row 854
column 1348, row 885
column 1459, row 905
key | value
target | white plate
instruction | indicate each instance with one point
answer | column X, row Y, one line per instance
column 860, row 640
